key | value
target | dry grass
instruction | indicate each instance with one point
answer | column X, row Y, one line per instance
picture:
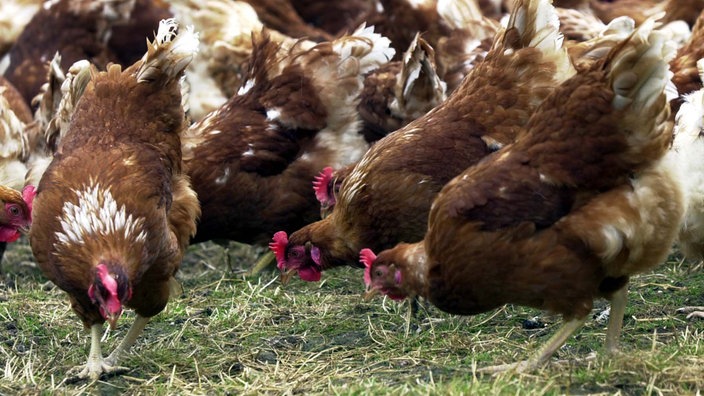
column 229, row 334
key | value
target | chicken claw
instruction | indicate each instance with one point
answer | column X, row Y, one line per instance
column 94, row 370
column 96, row 365
column 694, row 312
column 518, row 367
column 543, row 354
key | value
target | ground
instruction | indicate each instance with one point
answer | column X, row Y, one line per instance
column 232, row 334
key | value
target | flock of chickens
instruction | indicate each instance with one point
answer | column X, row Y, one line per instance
column 489, row 152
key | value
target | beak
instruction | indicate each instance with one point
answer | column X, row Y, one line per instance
column 285, row 276
column 24, row 229
column 112, row 320
column 369, row 294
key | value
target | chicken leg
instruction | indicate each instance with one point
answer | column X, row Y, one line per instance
column 133, row 333
column 96, row 365
column 544, row 353
column 263, row 263
column 618, row 309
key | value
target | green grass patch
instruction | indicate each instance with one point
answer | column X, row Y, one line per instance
column 233, row 334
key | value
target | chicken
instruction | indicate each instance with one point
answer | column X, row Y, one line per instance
column 16, row 213
column 252, row 161
column 393, row 95
column 15, row 115
column 114, row 212
column 84, row 27
column 14, row 16
column 688, row 146
column 587, row 197
column 686, row 75
column 386, row 198
column 15, row 216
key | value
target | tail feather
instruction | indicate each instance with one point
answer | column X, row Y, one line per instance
column 418, row 88
column 617, row 31
column 371, row 49
column 169, row 54
column 538, row 25
column 639, row 68
column 639, row 74
column 49, row 97
column 72, row 88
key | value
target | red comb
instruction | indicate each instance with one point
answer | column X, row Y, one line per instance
column 320, row 185
column 367, row 257
column 28, row 194
column 278, row 246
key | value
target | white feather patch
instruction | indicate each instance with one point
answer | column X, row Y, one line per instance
column 371, row 49
column 96, row 213
column 249, row 84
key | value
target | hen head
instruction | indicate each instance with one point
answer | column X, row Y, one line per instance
column 290, row 258
column 327, row 187
column 382, row 275
column 16, row 213
column 109, row 291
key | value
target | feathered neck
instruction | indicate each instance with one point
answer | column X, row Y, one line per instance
column 414, row 268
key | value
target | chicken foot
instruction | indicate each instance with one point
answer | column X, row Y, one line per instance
column 133, row 333
column 544, row 353
column 96, row 365
column 694, row 312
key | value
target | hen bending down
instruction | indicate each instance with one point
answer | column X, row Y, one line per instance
column 253, row 159
column 114, row 212
column 15, row 210
column 586, row 198
column 385, row 199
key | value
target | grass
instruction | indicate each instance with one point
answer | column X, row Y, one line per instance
column 231, row 334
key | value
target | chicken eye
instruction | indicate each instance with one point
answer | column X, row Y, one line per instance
column 14, row 210
column 294, row 254
column 378, row 273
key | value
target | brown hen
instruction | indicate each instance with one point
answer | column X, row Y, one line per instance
column 584, row 199
column 114, row 211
